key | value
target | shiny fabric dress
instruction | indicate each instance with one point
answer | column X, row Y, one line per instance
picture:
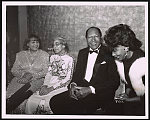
column 37, row 66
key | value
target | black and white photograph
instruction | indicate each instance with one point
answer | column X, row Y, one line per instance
column 74, row 60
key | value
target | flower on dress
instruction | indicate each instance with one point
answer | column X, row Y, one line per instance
column 58, row 68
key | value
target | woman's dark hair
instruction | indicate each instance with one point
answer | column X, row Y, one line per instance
column 122, row 34
column 93, row 28
column 25, row 47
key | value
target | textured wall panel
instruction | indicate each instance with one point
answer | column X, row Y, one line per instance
column 71, row 22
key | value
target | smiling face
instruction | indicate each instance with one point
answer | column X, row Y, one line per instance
column 120, row 52
column 33, row 44
column 93, row 38
column 59, row 48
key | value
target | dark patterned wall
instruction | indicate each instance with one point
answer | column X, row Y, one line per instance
column 71, row 22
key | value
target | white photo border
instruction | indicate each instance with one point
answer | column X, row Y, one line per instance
column 3, row 95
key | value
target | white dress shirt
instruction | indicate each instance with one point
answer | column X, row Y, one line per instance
column 89, row 69
column 90, row 65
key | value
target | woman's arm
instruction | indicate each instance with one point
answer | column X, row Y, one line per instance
column 124, row 98
column 133, row 99
column 65, row 81
column 17, row 70
column 62, row 83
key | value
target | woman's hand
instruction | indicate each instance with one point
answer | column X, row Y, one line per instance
column 45, row 90
column 36, row 84
column 124, row 98
column 25, row 78
column 121, row 98
column 27, row 75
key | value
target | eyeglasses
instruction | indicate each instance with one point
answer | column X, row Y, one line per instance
column 57, row 44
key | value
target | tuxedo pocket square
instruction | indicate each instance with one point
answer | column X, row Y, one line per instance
column 103, row 62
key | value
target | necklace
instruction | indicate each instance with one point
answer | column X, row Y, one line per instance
column 32, row 56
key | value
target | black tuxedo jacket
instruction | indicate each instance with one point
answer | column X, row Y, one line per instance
column 105, row 77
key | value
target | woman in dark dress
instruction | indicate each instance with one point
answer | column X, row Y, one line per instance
column 131, row 63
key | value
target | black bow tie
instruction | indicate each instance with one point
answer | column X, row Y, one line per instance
column 91, row 51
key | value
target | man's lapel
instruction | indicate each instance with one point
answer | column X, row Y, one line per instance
column 100, row 56
column 85, row 58
column 99, row 61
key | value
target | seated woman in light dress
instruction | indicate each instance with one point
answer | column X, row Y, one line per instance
column 29, row 70
column 56, row 81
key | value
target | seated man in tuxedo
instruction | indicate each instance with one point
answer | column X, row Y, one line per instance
column 94, row 81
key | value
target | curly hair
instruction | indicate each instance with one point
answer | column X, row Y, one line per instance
column 25, row 47
column 122, row 34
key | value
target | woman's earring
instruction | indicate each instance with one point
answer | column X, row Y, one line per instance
column 125, row 54
column 126, row 49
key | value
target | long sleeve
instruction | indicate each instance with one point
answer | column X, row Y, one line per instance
column 17, row 69
column 49, row 73
column 65, row 81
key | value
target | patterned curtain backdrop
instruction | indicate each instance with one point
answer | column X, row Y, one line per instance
column 71, row 22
